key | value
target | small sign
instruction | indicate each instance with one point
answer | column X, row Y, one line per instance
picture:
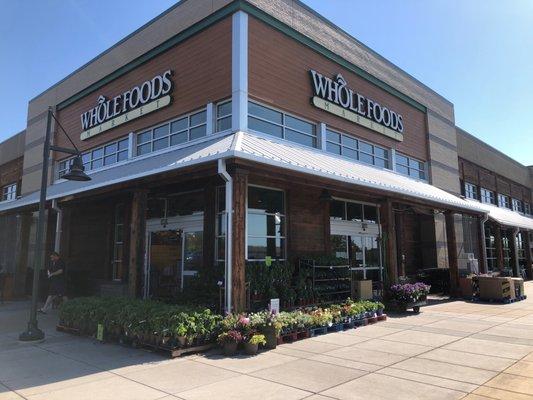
column 268, row 261
column 100, row 333
column 274, row 306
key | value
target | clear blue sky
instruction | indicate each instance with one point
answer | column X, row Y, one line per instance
column 476, row 53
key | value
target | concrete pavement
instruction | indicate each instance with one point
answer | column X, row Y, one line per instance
column 454, row 350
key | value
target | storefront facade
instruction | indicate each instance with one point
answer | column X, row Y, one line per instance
column 239, row 139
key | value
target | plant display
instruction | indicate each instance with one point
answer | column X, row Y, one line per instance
column 232, row 336
column 409, row 292
column 321, row 317
column 258, row 339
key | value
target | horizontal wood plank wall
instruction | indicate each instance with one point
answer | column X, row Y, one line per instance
column 482, row 177
column 279, row 76
column 11, row 172
column 202, row 74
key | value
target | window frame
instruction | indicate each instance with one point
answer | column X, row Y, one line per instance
column 284, row 219
column 483, row 196
column 409, row 167
column 358, row 150
column 9, row 192
column 517, row 205
column 470, row 188
column 223, row 117
column 506, row 203
column 283, row 125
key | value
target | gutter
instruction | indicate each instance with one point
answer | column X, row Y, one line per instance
column 222, row 171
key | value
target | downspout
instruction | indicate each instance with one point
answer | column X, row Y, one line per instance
column 484, row 242
column 222, row 171
column 59, row 224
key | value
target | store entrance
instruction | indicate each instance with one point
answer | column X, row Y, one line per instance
column 174, row 254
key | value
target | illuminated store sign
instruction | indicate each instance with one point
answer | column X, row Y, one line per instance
column 151, row 95
column 334, row 96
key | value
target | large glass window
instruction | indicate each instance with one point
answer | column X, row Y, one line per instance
column 503, row 201
column 350, row 211
column 490, row 243
column 470, row 191
column 221, row 222
column 518, row 206
column 487, row 196
column 521, row 248
column 527, row 208
column 265, row 224
column 276, row 123
column 410, row 166
column 223, row 116
column 9, row 192
column 181, row 130
column 98, row 157
column 350, row 147
column 118, row 245
column 506, row 248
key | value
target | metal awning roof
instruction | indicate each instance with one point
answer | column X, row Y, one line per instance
column 261, row 149
column 504, row 216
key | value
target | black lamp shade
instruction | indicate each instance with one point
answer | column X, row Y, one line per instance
column 76, row 171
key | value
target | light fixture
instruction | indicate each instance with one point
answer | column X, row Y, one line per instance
column 76, row 171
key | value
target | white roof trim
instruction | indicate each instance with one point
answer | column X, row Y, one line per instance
column 504, row 216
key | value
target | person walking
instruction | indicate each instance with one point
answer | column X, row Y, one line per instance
column 56, row 277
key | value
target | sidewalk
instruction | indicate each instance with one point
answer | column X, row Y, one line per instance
column 454, row 350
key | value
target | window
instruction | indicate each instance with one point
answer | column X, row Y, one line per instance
column 118, row 245
column 503, row 201
column 265, row 224
column 108, row 154
column 350, row 147
column 9, row 192
column 355, row 212
column 517, row 205
column 490, row 244
column 181, row 130
column 521, row 249
column 281, row 125
column 527, row 208
column 506, row 248
column 487, row 196
column 223, row 116
column 470, row 191
column 220, row 229
column 410, row 167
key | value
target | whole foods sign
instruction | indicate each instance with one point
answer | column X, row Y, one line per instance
column 334, row 96
column 140, row 100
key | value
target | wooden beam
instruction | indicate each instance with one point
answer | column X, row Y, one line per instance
column 451, row 240
column 137, row 241
column 482, row 261
column 209, row 234
column 240, row 183
column 529, row 255
column 388, row 224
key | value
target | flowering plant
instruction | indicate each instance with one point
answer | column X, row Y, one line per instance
column 409, row 292
column 257, row 339
column 265, row 320
column 321, row 317
column 232, row 336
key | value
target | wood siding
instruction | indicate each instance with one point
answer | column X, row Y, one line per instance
column 202, row 74
column 279, row 76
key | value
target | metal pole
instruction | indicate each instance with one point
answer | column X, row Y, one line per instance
column 33, row 332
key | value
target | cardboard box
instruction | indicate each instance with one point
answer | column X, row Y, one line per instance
column 495, row 288
column 465, row 284
column 362, row 290
column 518, row 287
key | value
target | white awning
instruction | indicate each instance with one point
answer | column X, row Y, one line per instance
column 504, row 216
column 262, row 149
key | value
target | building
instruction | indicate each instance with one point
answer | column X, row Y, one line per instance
column 226, row 133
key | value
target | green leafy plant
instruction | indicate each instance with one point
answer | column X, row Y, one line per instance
column 257, row 339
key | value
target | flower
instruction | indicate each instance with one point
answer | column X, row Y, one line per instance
column 409, row 292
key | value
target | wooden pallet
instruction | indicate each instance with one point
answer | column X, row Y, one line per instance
column 66, row 329
column 176, row 351
column 318, row 331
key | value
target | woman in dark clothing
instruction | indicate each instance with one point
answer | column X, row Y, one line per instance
column 56, row 277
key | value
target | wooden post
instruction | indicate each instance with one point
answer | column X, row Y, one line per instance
column 22, row 250
column 499, row 247
column 327, row 226
column 452, row 252
column 209, row 226
column 388, row 225
column 482, row 261
column 240, row 183
column 400, row 258
column 515, row 262
column 137, row 242
column 529, row 255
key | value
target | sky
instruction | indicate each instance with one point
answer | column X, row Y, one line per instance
column 476, row 53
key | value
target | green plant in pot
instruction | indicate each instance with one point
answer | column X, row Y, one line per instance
column 230, row 341
column 252, row 345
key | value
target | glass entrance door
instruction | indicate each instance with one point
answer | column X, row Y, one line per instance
column 363, row 252
column 164, row 264
column 192, row 255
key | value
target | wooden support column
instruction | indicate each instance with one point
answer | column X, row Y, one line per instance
column 400, row 258
column 515, row 262
column 327, row 226
column 482, row 261
column 388, row 226
column 22, row 250
column 240, row 183
column 137, row 242
column 209, row 234
column 452, row 252
column 529, row 255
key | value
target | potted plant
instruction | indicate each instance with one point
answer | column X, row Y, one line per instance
column 229, row 341
column 409, row 295
column 252, row 345
column 380, row 308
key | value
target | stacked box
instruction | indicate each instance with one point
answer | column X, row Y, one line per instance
column 518, row 287
column 465, row 284
column 362, row 290
column 495, row 288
